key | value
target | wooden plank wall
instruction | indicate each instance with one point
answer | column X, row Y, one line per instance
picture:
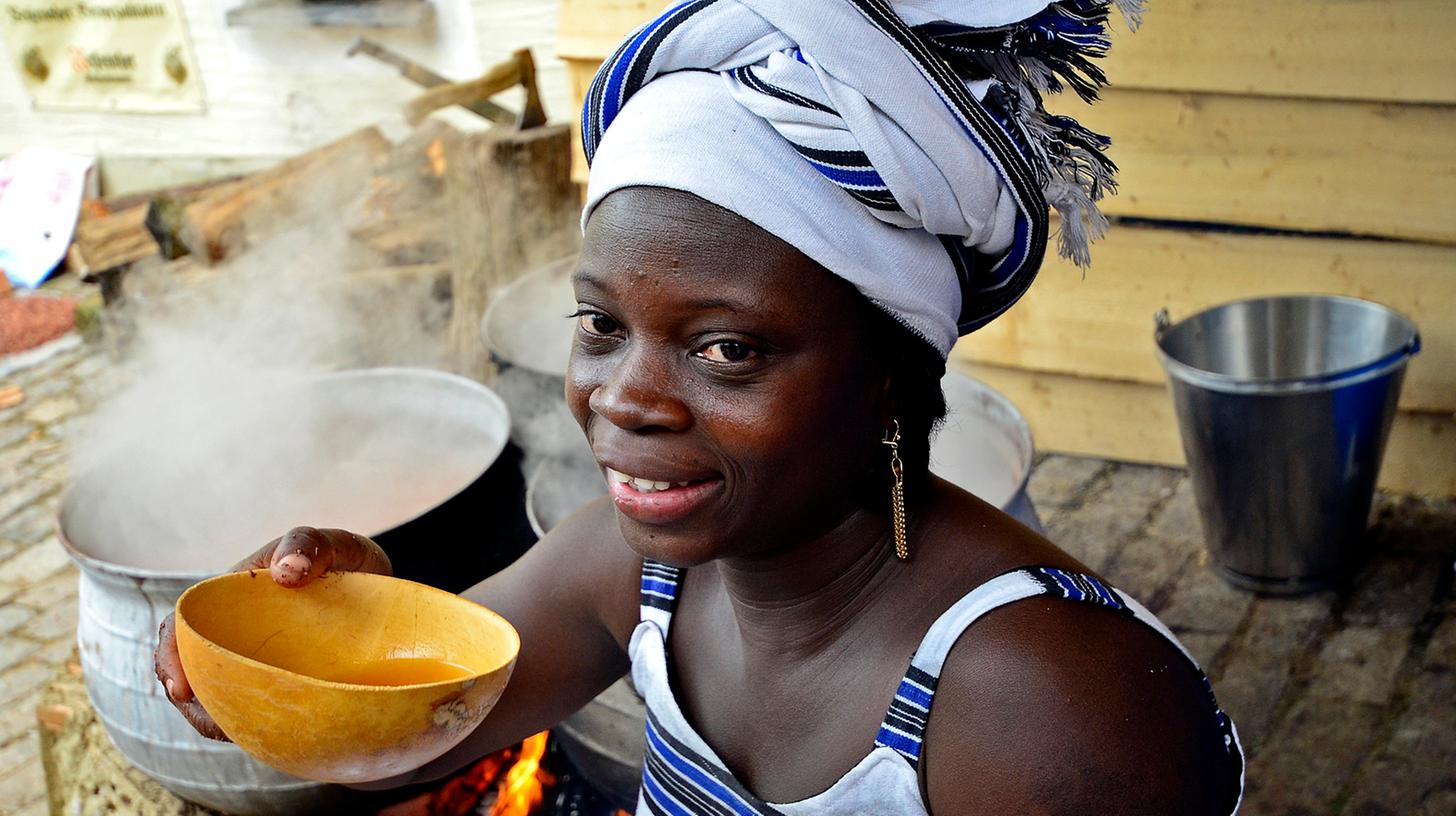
column 1329, row 128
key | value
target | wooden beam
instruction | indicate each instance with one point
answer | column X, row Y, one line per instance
column 105, row 242
column 592, row 29
column 1135, row 422
column 1102, row 325
column 1300, row 164
column 226, row 218
column 1395, row 50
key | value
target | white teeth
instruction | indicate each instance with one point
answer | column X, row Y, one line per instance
column 642, row 485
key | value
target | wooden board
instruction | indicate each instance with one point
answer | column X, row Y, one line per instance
column 579, row 73
column 592, row 29
column 1135, row 422
column 1102, row 325
column 1363, row 168
column 1352, row 49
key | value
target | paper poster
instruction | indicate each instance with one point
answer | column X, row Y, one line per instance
column 40, row 197
column 103, row 55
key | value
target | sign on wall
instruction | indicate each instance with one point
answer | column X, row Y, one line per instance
column 103, row 55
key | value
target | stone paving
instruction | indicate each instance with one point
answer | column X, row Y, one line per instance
column 1346, row 699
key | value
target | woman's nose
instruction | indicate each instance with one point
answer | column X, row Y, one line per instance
column 639, row 393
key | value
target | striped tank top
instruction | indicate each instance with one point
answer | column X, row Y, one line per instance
column 682, row 776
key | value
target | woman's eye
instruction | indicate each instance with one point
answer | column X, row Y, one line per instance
column 727, row 351
column 597, row 323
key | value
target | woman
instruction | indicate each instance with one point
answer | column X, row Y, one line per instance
column 793, row 212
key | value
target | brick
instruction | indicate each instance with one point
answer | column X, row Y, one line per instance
column 1283, row 626
column 54, row 622
column 1062, row 481
column 23, row 786
column 53, row 409
column 58, row 651
column 1148, row 565
column 1413, row 525
column 14, row 649
column 1314, row 750
column 16, row 754
column 1204, row 602
column 12, row 434
column 1177, row 519
column 60, row 588
column 34, row 563
column 1204, row 646
column 21, row 495
column 1095, row 531
column 23, row 681
column 1360, row 663
column 1251, row 689
column 1394, row 591
column 17, row 721
column 1441, row 651
column 13, row 616
column 30, row 525
column 1413, row 771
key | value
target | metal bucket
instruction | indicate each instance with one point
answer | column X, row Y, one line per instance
column 404, row 455
column 529, row 336
column 1284, row 405
column 985, row 447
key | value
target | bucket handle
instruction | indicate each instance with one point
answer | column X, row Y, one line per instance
column 1161, row 323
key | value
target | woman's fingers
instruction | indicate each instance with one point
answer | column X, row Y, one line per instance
column 199, row 719
column 305, row 553
column 168, row 665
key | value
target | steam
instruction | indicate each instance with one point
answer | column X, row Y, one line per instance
column 221, row 436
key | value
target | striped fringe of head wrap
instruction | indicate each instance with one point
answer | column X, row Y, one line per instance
column 902, row 144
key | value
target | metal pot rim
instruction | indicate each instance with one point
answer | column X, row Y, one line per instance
column 131, row 574
column 1228, row 383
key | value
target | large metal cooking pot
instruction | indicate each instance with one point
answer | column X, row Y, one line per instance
column 529, row 336
column 409, row 456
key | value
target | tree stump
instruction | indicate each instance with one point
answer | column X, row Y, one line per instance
column 510, row 206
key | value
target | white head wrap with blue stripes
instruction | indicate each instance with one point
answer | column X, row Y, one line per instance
column 900, row 144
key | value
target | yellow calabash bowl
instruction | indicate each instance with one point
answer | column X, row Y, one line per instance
column 254, row 653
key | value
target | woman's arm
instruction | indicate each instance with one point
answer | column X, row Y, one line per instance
column 1052, row 707
column 572, row 597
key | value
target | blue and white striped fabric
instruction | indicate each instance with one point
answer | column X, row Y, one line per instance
column 682, row 776
column 924, row 116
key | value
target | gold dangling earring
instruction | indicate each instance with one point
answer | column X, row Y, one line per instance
column 897, row 492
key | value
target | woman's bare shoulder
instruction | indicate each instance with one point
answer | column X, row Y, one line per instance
column 1052, row 706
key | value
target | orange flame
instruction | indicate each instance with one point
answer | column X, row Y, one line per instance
column 521, row 790
column 435, row 152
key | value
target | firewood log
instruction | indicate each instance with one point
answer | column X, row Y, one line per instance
column 226, row 219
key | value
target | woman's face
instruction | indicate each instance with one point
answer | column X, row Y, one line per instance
column 715, row 361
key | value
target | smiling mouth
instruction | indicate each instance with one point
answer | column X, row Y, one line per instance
column 656, row 501
column 642, row 485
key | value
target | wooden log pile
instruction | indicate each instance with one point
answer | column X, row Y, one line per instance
column 426, row 228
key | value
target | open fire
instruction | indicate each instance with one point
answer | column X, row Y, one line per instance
column 511, row 782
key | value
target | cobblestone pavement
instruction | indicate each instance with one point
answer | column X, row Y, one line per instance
column 1346, row 699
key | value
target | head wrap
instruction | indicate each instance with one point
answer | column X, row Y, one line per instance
column 902, row 145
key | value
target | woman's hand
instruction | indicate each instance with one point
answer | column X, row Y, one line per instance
column 294, row 560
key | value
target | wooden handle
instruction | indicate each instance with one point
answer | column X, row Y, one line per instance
column 500, row 77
